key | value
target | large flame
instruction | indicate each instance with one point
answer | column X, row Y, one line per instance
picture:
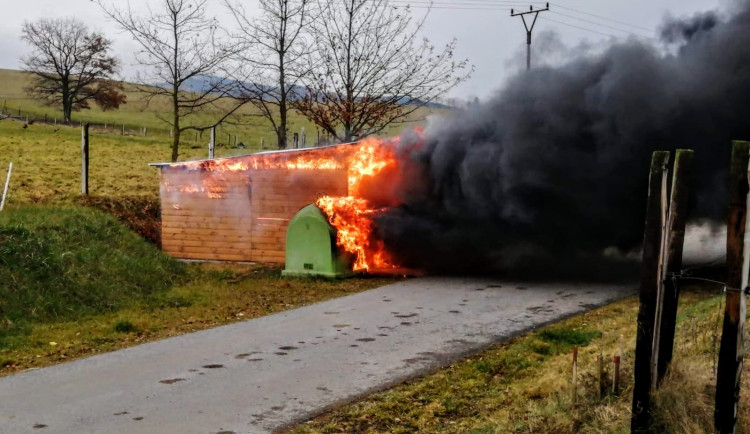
column 352, row 216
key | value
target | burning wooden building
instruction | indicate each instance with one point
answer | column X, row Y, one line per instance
column 239, row 208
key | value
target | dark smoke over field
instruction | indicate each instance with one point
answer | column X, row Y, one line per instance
column 552, row 171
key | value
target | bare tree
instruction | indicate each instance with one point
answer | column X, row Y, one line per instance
column 184, row 62
column 370, row 68
column 70, row 64
column 273, row 49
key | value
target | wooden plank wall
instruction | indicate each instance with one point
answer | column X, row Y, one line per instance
column 207, row 225
column 277, row 195
column 240, row 222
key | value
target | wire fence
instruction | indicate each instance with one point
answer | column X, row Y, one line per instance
column 226, row 139
column 119, row 128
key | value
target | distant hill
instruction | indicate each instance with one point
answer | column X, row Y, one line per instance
column 203, row 83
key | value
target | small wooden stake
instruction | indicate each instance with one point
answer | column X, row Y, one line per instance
column 675, row 240
column 575, row 375
column 650, row 281
column 616, row 375
column 85, row 159
column 729, row 368
column 5, row 190
column 212, row 143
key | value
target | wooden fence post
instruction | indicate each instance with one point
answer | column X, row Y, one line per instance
column 212, row 143
column 616, row 375
column 85, row 159
column 600, row 374
column 729, row 367
column 678, row 202
column 5, row 190
column 650, row 281
column 574, row 397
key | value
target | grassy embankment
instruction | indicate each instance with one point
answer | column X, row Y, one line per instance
column 73, row 276
column 524, row 386
column 75, row 281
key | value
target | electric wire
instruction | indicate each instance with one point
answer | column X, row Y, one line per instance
column 597, row 24
column 602, row 17
column 506, row 5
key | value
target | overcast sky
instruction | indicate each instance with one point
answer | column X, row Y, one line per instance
column 487, row 35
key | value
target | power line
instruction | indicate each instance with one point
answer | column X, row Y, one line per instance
column 509, row 4
column 580, row 28
column 601, row 25
column 604, row 18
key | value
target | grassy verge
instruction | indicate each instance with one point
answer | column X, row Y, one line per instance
column 76, row 282
column 525, row 385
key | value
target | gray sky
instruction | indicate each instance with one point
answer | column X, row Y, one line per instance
column 487, row 35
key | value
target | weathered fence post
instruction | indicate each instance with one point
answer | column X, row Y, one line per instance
column 574, row 396
column 85, row 159
column 5, row 190
column 678, row 202
column 212, row 143
column 651, row 275
column 729, row 368
column 616, row 375
column 600, row 372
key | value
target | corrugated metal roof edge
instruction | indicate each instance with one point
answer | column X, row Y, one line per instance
column 280, row 151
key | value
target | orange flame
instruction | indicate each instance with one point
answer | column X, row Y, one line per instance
column 352, row 216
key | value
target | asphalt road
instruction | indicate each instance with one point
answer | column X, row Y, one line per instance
column 270, row 372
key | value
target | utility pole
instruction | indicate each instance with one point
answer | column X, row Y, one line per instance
column 528, row 28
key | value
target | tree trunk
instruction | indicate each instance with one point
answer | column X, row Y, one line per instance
column 281, row 132
column 175, row 89
column 176, row 126
column 67, row 101
column 176, row 138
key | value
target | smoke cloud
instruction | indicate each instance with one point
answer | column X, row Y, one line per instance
column 551, row 173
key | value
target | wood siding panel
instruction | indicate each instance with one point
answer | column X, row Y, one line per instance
column 250, row 219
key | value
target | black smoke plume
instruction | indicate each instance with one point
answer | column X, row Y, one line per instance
column 552, row 171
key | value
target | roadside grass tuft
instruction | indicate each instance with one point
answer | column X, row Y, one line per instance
column 124, row 326
column 561, row 340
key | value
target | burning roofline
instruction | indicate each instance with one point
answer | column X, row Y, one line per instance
column 270, row 152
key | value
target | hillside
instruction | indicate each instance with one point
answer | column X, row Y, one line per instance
column 137, row 114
